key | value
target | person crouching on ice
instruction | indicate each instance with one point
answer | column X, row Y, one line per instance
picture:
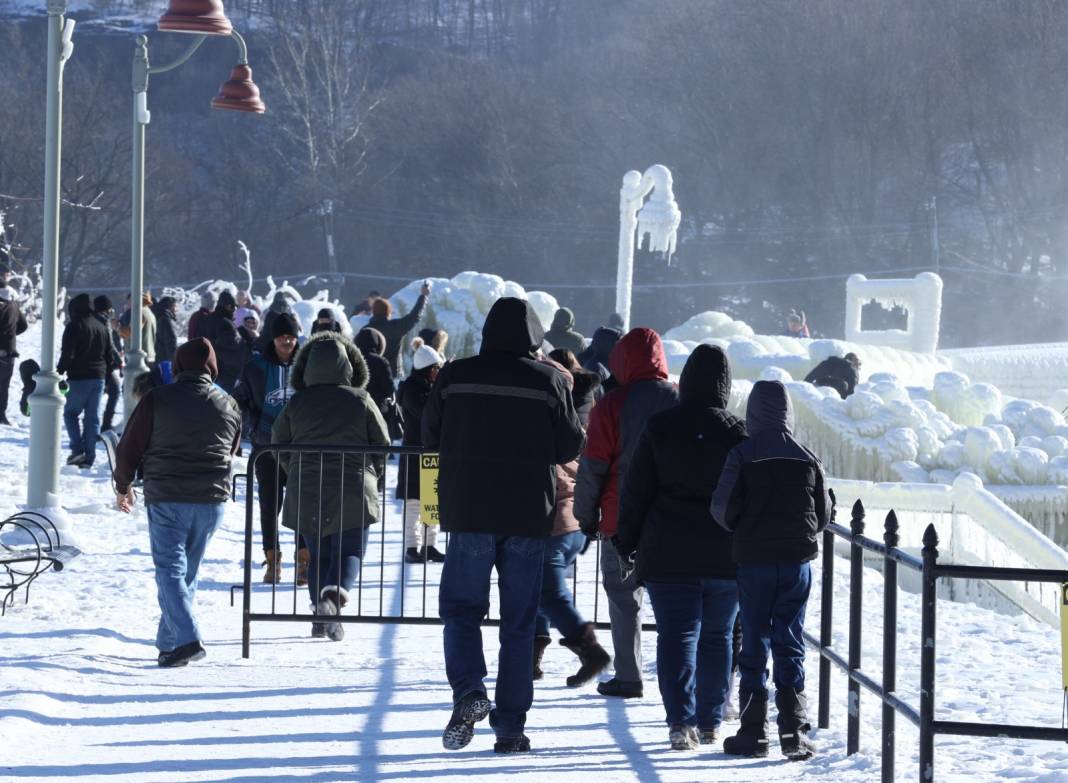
column 773, row 497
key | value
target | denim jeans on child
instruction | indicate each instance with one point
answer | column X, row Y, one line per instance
column 463, row 602
column 695, row 628
column 83, row 397
column 773, row 600
column 179, row 534
column 557, row 606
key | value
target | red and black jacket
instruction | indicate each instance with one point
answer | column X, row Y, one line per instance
column 640, row 367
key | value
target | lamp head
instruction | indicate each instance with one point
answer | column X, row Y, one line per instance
column 239, row 92
column 200, row 17
column 659, row 218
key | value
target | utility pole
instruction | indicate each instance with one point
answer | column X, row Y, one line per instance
column 936, row 252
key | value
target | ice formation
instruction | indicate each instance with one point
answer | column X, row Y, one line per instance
column 920, row 297
column 459, row 306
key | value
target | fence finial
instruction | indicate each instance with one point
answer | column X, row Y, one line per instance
column 890, row 535
column 856, row 524
column 930, row 538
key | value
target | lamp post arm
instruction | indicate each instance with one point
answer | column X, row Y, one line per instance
column 182, row 60
column 242, row 47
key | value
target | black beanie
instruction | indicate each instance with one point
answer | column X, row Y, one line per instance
column 284, row 323
column 101, row 304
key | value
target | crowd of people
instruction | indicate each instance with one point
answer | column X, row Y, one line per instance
column 713, row 517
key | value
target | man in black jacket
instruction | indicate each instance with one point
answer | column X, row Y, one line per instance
column 86, row 357
column 231, row 352
column 683, row 556
column 184, row 435
column 772, row 495
column 12, row 323
column 166, row 329
column 501, row 421
column 395, row 330
column 105, row 313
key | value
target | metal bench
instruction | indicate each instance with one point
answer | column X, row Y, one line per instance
column 29, row 546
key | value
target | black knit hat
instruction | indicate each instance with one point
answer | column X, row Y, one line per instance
column 102, row 304
column 284, row 323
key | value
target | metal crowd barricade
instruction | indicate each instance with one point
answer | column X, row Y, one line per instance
column 930, row 571
column 387, row 589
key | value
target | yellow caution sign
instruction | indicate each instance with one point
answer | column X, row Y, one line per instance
column 1064, row 635
column 428, row 489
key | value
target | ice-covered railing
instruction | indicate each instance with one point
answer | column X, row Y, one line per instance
column 1034, row 372
column 975, row 528
column 883, row 434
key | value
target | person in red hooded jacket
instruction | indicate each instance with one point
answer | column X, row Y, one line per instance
column 639, row 366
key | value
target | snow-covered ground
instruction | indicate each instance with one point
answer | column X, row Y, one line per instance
column 83, row 700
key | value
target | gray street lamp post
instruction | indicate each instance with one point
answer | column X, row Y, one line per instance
column 46, row 402
column 240, row 94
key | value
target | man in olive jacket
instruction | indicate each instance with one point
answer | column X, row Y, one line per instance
column 184, row 435
column 501, row 421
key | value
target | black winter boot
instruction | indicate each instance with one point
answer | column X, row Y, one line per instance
column 593, row 658
column 540, row 643
column 752, row 737
column 793, row 725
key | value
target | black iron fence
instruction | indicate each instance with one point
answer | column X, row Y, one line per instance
column 387, row 589
column 930, row 571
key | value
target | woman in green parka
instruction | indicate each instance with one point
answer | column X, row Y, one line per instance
column 332, row 512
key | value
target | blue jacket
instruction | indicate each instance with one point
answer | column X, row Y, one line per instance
column 261, row 392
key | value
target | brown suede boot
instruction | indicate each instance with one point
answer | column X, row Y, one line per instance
column 540, row 643
column 303, row 556
column 272, row 573
column 593, row 657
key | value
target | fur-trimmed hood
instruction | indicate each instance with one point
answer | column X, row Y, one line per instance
column 329, row 358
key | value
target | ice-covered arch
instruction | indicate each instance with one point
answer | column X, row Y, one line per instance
column 921, row 298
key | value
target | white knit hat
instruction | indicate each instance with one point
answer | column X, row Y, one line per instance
column 425, row 356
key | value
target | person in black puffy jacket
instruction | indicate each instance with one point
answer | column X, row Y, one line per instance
column 231, row 351
column 772, row 495
column 371, row 344
column 683, row 556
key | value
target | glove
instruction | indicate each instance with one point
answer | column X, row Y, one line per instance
column 589, row 527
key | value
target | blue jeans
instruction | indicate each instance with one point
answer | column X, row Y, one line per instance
column 557, row 605
column 83, row 397
column 463, row 602
column 773, row 600
column 339, row 556
column 694, row 630
column 179, row 533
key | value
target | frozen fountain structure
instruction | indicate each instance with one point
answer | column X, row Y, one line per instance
column 920, row 297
